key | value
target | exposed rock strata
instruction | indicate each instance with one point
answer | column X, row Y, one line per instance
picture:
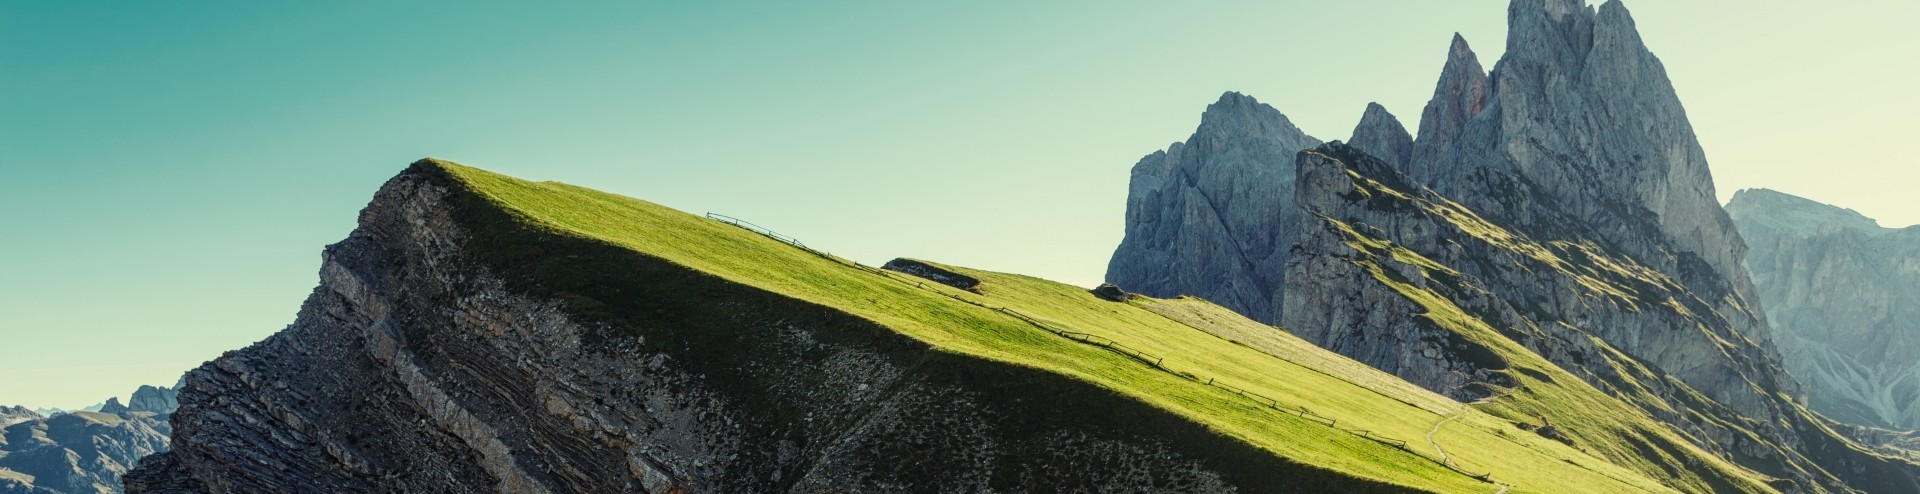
column 1843, row 297
column 417, row 366
column 1213, row 216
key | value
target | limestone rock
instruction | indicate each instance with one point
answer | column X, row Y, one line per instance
column 1381, row 135
column 1213, row 216
column 113, row 406
column 1459, row 96
column 1843, row 297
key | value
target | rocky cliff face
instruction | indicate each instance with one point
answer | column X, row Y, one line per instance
column 418, row 366
column 1213, row 216
column 77, row 452
column 1459, row 96
column 1386, row 271
column 1583, row 136
column 1843, row 296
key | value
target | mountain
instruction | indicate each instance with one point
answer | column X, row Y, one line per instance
column 1212, row 216
column 1554, row 215
column 1843, row 295
column 81, row 451
column 10, row 415
column 479, row 333
column 1381, row 135
column 1410, row 281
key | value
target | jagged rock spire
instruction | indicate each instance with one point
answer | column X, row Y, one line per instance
column 1460, row 94
column 1381, row 135
column 1214, row 216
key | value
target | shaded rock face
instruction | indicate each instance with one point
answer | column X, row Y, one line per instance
column 1381, row 135
column 77, row 452
column 1578, row 304
column 1843, row 297
column 1213, row 216
column 413, row 367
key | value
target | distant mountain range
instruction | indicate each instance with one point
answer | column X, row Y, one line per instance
column 82, row 451
column 1843, row 294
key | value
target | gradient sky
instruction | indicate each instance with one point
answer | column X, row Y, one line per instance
column 169, row 171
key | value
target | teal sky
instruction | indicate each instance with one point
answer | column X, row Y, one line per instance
column 169, row 171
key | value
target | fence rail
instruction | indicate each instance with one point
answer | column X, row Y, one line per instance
column 1116, row 347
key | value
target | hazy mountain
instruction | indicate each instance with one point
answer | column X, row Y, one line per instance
column 1843, row 295
column 81, row 451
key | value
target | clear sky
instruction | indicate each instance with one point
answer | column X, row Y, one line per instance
column 169, row 171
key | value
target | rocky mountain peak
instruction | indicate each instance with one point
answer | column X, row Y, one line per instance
column 1584, row 136
column 1560, row 30
column 1238, row 116
column 1380, row 134
column 155, row 399
column 114, row 406
column 1213, row 216
column 1460, row 94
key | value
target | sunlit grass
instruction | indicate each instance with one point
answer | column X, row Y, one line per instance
column 1197, row 340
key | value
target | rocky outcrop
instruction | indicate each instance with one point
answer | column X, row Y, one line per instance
column 428, row 361
column 1843, row 297
column 114, row 407
column 1381, row 135
column 1583, row 137
column 1213, row 216
column 1458, row 97
column 77, row 452
column 933, row 273
column 1386, row 270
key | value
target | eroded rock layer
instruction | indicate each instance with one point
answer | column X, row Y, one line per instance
column 429, row 360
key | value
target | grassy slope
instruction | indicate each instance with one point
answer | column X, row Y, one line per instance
column 1269, row 362
column 1612, row 423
